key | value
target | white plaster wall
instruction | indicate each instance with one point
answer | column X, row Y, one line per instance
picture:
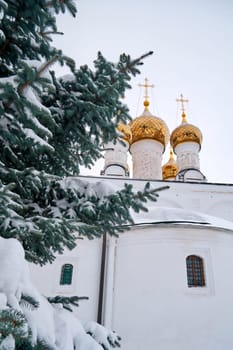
column 188, row 155
column 85, row 259
column 152, row 306
column 116, row 153
column 115, row 170
column 209, row 198
column 147, row 300
column 191, row 176
column 147, row 159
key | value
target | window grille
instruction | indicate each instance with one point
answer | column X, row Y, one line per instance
column 195, row 271
column 66, row 274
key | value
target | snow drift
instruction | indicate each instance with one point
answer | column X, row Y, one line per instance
column 60, row 329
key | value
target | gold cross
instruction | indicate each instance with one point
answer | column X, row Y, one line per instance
column 182, row 101
column 146, row 86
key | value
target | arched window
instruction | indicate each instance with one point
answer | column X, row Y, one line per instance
column 195, row 271
column 66, row 274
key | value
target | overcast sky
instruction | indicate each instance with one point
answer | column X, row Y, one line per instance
column 192, row 42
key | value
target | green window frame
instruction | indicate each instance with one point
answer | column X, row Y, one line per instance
column 66, row 274
column 195, row 271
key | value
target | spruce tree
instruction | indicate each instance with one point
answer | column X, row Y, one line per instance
column 49, row 128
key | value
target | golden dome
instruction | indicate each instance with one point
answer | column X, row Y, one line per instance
column 185, row 133
column 126, row 131
column 170, row 169
column 148, row 126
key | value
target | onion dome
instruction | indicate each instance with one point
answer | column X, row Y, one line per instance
column 170, row 169
column 148, row 126
column 125, row 131
column 185, row 133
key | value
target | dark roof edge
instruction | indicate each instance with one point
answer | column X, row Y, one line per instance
column 151, row 180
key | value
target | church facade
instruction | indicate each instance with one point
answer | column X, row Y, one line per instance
column 165, row 283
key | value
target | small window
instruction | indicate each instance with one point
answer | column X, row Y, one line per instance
column 66, row 274
column 195, row 271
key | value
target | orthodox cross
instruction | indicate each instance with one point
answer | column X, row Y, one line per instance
column 182, row 100
column 146, row 86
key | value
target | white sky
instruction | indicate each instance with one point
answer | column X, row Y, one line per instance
column 192, row 42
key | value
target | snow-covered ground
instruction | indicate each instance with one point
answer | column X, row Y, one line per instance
column 51, row 323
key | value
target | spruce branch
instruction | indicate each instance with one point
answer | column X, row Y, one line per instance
column 23, row 86
column 138, row 61
column 44, row 34
column 29, row 302
column 4, row 46
column 61, row 5
column 12, row 322
column 149, row 194
column 129, row 66
column 66, row 302
column 51, row 3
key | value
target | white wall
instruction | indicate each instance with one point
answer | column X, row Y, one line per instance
column 85, row 259
column 153, row 308
column 147, row 159
column 147, row 300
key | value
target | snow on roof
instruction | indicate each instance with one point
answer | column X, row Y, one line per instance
column 156, row 215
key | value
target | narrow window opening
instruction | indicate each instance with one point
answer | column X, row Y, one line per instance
column 195, row 271
column 66, row 274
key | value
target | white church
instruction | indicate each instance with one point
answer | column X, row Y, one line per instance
column 166, row 282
